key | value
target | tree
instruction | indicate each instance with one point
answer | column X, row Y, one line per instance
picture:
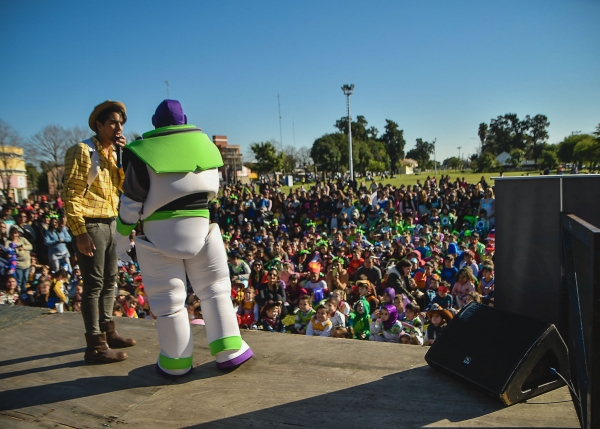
column 9, row 138
column 33, row 175
column 393, row 140
column 48, row 148
column 517, row 156
column 566, row 148
column 304, row 158
column 290, row 159
column 548, row 158
column 453, row 163
column 482, row 132
column 267, row 158
column 421, row 153
column 486, row 162
column 587, row 149
column 537, row 134
column 325, row 152
column 505, row 133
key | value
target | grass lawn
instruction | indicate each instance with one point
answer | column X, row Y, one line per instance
column 411, row 179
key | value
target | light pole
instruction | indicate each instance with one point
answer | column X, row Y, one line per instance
column 348, row 92
column 434, row 160
column 459, row 154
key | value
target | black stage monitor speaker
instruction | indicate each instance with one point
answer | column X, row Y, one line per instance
column 504, row 354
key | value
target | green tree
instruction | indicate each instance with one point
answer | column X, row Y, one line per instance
column 537, row 135
column 587, row 150
column 517, row 156
column 548, row 158
column 394, row 143
column 267, row 158
column 421, row 153
column 325, row 152
column 453, row 163
column 482, row 132
column 486, row 162
column 566, row 148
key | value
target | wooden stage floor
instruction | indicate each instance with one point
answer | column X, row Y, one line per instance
column 292, row 381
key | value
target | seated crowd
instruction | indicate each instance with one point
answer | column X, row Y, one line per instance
column 370, row 262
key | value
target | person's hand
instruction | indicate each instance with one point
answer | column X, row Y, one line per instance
column 121, row 141
column 85, row 244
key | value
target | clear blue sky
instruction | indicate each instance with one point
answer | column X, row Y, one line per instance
column 438, row 68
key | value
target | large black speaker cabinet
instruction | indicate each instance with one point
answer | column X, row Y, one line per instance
column 504, row 354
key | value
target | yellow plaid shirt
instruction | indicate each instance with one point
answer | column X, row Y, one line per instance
column 102, row 198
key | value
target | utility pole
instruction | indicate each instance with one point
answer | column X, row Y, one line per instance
column 348, row 89
column 167, row 83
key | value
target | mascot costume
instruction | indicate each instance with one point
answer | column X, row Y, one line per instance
column 170, row 176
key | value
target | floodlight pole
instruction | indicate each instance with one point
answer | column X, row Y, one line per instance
column 434, row 160
column 348, row 92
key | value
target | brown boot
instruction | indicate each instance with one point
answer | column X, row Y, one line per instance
column 113, row 338
column 97, row 350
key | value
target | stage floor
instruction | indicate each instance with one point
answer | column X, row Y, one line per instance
column 292, row 381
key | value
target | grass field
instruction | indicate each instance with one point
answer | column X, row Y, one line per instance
column 408, row 180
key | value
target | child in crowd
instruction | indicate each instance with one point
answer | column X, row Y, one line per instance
column 303, row 315
column 443, row 297
column 365, row 290
column 10, row 293
column 487, row 281
column 438, row 318
column 248, row 310
column 293, row 291
column 409, row 339
column 197, row 319
column 337, row 319
column 412, row 323
column 343, row 306
column 76, row 301
column 59, row 288
column 315, row 285
column 449, row 272
column 464, row 285
column 270, row 320
column 469, row 262
column 360, row 322
column 473, row 297
column 386, row 327
column 320, row 325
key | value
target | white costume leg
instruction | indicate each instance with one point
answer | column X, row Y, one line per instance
column 164, row 282
column 209, row 274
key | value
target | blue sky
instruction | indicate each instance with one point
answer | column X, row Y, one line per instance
column 437, row 68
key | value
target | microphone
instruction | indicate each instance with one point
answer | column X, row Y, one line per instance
column 119, row 153
column 120, row 157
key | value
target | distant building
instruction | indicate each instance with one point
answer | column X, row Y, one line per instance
column 13, row 174
column 233, row 170
column 503, row 160
column 407, row 166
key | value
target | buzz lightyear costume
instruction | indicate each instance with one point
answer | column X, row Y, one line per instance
column 170, row 176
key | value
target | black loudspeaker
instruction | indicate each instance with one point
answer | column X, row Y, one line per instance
column 504, row 354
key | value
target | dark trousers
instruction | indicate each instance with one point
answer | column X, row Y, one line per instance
column 99, row 274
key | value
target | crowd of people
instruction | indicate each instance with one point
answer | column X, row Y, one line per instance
column 367, row 261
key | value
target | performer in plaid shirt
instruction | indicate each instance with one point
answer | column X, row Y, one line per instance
column 91, row 212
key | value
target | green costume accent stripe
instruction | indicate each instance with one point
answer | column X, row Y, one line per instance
column 124, row 228
column 227, row 343
column 174, row 363
column 169, row 214
column 187, row 151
